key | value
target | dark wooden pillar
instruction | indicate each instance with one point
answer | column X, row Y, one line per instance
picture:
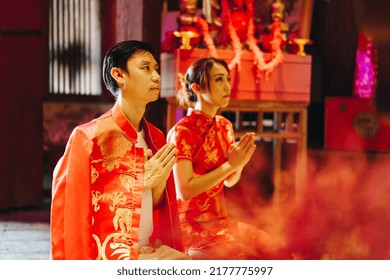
column 335, row 28
column 139, row 20
column 23, row 82
column 334, row 31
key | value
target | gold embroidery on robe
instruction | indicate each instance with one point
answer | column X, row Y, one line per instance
column 98, row 245
column 127, row 182
column 116, row 198
column 123, row 220
column 119, row 243
column 94, row 175
column 113, row 145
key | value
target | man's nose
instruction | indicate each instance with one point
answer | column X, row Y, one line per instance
column 156, row 76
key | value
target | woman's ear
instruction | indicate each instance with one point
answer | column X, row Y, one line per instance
column 196, row 88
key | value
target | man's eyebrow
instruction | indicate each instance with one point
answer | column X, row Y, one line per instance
column 146, row 61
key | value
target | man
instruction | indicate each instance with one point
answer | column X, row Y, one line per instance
column 113, row 193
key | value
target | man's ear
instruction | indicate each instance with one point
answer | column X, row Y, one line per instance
column 196, row 88
column 116, row 73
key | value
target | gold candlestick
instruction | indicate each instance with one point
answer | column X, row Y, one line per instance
column 301, row 42
column 186, row 37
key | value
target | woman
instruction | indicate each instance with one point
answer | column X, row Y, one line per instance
column 208, row 159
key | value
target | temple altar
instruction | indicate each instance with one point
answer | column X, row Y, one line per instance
column 289, row 82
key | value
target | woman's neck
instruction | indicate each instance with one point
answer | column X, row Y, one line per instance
column 207, row 109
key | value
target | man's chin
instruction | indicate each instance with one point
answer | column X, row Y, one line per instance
column 154, row 98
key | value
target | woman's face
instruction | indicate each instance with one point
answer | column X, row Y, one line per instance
column 219, row 90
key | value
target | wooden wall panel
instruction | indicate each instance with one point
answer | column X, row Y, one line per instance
column 23, row 82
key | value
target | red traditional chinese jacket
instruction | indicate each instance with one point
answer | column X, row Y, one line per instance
column 97, row 192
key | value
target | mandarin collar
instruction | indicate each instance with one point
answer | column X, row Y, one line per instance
column 128, row 130
column 200, row 115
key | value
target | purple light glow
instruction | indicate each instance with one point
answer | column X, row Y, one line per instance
column 366, row 70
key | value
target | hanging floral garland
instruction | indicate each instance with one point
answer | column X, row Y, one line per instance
column 264, row 69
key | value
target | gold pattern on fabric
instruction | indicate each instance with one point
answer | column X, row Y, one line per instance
column 182, row 128
column 223, row 144
column 230, row 133
column 229, row 136
column 119, row 244
column 204, row 205
column 116, row 244
column 128, row 182
column 94, row 175
column 186, row 148
column 99, row 246
column 209, row 147
column 204, row 217
column 116, row 198
column 200, row 125
column 211, row 156
column 113, row 145
column 131, row 166
column 123, row 220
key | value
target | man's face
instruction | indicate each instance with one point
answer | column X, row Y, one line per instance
column 142, row 80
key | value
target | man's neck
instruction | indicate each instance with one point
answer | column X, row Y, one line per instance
column 132, row 112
